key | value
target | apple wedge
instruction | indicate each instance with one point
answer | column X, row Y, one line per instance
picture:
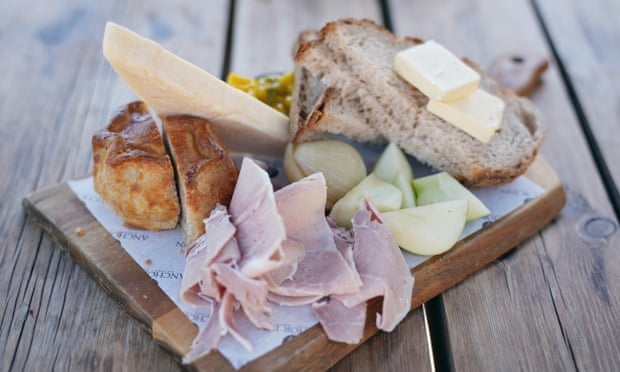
column 428, row 230
column 384, row 196
column 443, row 187
column 393, row 167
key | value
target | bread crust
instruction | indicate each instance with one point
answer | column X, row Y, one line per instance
column 206, row 174
column 133, row 173
column 318, row 111
column 340, row 58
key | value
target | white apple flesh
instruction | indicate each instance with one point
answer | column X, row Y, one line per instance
column 443, row 187
column 393, row 167
column 428, row 230
column 383, row 196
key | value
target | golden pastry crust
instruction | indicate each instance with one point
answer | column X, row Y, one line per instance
column 133, row 173
column 206, row 174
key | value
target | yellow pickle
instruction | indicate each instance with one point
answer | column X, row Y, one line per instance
column 273, row 89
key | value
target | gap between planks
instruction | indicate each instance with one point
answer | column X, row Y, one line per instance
column 438, row 345
column 228, row 45
column 601, row 164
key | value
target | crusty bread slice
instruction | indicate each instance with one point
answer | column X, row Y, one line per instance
column 132, row 172
column 318, row 110
column 356, row 58
column 206, row 174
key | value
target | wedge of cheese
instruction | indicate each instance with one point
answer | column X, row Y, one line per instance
column 171, row 85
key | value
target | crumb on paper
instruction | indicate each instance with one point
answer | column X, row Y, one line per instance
column 80, row 231
column 148, row 262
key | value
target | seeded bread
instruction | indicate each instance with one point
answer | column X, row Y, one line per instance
column 206, row 174
column 132, row 171
column 355, row 58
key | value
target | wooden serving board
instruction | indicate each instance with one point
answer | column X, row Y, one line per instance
column 62, row 214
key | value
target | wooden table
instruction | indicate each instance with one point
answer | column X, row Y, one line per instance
column 551, row 304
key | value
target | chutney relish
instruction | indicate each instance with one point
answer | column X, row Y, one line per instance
column 274, row 89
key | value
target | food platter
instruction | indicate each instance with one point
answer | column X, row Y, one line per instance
column 117, row 255
column 61, row 213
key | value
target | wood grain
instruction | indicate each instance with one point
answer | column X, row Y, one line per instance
column 557, row 294
column 584, row 36
column 553, row 303
column 280, row 22
column 55, row 91
column 103, row 257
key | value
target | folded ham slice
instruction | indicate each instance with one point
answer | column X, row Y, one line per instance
column 260, row 229
column 198, row 285
column 293, row 253
column 382, row 267
column 384, row 272
column 220, row 323
column 323, row 270
column 227, row 267
column 341, row 323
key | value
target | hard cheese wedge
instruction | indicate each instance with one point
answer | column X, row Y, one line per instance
column 479, row 114
column 436, row 72
column 171, row 85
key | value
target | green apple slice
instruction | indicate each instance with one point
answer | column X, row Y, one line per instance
column 393, row 167
column 443, row 187
column 384, row 196
column 428, row 230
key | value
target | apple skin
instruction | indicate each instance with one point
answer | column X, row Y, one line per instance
column 383, row 195
column 428, row 230
column 393, row 167
column 443, row 187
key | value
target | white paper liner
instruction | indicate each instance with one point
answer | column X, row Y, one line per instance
column 162, row 256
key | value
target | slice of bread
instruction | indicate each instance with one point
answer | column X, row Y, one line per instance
column 319, row 110
column 206, row 174
column 132, row 171
column 355, row 58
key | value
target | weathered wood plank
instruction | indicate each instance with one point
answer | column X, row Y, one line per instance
column 553, row 304
column 55, row 91
column 585, row 36
column 280, row 22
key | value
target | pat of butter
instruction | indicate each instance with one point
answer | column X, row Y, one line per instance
column 479, row 114
column 170, row 85
column 436, row 72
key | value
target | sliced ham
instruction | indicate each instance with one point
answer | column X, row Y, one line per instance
column 344, row 242
column 293, row 300
column 219, row 244
column 260, row 229
column 381, row 266
column 208, row 337
column 279, row 247
column 230, row 263
column 250, row 293
column 227, row 318
column 220, row 323
column 293, row 253
column 341, row 323
column 323, row 270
